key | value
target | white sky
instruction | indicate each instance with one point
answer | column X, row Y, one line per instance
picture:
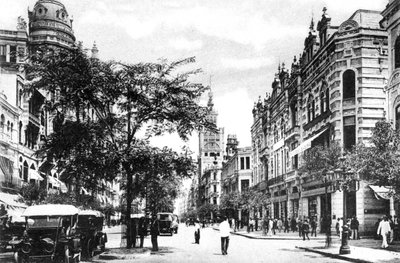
column 239, row 43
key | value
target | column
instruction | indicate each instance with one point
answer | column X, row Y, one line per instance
column 7, row 53
column 319, row 203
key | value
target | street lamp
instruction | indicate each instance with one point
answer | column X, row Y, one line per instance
column 345, row 179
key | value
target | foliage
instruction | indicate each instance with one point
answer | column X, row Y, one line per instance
column 230, row 201
column 127, row 99
column 317, row 161
column 33, row 193
column 205, row 210
column 379, row 162
column 70, row 198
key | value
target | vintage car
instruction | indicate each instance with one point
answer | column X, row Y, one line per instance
column 11, row 228
column 50, row 234
column 165, row 223
column 90, row 229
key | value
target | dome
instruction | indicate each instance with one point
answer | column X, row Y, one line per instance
column 49, row 23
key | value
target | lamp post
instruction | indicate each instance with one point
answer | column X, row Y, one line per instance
column 327, row 217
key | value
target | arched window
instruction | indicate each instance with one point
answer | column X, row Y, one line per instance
column 20, row 132
column 293, row 111
column 327, row 99
column 8, row 126
column 311, row 109
column 398, row 117
column 322, row 102
column 397, row 53
column 349, row 84
column 2, row 122
column 26, row 170
column 11, row 130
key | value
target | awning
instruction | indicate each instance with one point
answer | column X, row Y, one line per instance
column 34, row 175
column 53, row 181
column 6, row 166
column 11, row 200
column 63, row 186
column 305, row 145
column 381, row 192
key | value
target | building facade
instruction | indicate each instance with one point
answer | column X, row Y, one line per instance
column 23, row 122
column 333, row 94
column 211, row 156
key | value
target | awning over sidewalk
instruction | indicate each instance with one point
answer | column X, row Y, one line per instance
column 11, row 200
column 381, row 192
column 34, row 175
column 305, row 145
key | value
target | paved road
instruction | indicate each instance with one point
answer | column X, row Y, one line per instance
column 181, row 248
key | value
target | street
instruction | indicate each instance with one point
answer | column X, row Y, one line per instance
column 181, row 248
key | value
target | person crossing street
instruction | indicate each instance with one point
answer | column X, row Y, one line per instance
column 224, row 231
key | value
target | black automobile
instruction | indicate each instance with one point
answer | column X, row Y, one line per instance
column 50, row 234
column 90, row 230
column 165, row 223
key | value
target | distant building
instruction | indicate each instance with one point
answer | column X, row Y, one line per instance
column 211, row 155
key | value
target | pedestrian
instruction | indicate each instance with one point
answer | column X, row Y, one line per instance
column 384, row 230
column 293, row 224
column 340, row 225
column 300, row 227
column 197, row 232
column 313, row 225
column 270, row 226
column 224, row 231
column 274, row 226
column 123, row 233
column 286, row 225
column 305, row 229
column 354, row 224
column 154, row 232
column 264, row 226
column 142, row 230
column 256, row 224
column 326, row 226
column 279, row 224
column 396, row 228
column 337, row 227
column 233, row 225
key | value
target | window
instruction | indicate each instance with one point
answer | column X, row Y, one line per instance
column 205, row 154
column 3, row 53
column 20, row 132
column 396, row 53
column 2, row 122
column 247, row 162
column 241, row 163
column 349, row 84
column 215, row 188
column 349, row 132
column 215, row 176
column 13, row 54
column 322, row 102
column 311, row 109
column 244, row 185
column 398, row 118
column 214, row 200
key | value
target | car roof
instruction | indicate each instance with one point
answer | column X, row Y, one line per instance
column 51, row 210
column 91, row 213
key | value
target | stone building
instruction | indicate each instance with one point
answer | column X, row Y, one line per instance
column 237, row 173
column 211, row 154
column 23, row 122
column 333, row 94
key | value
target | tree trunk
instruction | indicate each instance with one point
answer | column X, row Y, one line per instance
column 129, row 199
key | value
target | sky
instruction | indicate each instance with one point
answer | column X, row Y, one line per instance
column 237, row 44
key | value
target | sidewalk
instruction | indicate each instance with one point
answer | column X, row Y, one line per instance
column 363, row 250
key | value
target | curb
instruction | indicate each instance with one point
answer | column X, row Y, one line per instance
column 337, row 256
column 268, row 238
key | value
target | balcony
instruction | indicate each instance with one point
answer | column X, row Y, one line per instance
column 276, row 180
column 294, row 131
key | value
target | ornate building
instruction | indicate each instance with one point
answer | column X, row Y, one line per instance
column 333, row 94
column 23, row 121
column 211, row 154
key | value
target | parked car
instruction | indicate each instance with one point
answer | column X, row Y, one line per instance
column 50, row 234
column 90, row 230
column 165, row 223
column 11, row 228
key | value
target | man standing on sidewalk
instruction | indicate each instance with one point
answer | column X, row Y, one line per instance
column 154, row 232
column 224, row 231
column 354, row 224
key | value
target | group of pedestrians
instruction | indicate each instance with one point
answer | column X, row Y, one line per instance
column 388, row 230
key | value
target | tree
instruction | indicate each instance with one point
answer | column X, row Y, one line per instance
column 230, row 203
column 126, row 99
column 33, row 193
column 379, row 162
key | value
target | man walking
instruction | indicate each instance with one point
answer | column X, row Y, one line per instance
column 197, row 232
column 354, row 224
column 313, row 224
column 224, row 231
column 384, row 230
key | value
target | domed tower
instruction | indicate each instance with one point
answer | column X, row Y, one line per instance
column 49, row 24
